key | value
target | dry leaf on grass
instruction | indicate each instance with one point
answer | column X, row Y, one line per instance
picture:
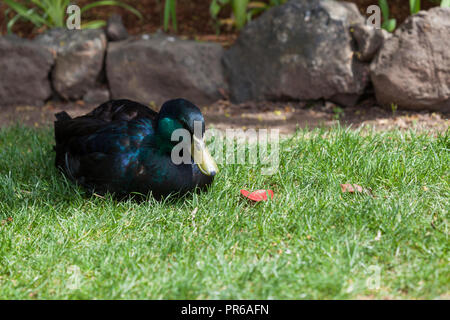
column 258, row 195
column 9, row 219
column 355, row 188
column 351, row 188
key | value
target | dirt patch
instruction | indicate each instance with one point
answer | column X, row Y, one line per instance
column 286, row 116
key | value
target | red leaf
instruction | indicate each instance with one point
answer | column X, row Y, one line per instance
column 258, row 195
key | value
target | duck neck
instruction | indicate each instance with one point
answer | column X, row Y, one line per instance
column 164, row 131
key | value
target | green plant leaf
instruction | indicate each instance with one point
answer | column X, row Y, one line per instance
column 55, row 11
column 384, row 9
column 389, row 25
column 414, row 6
column 170, row 13
column 445, row 4
column 174, row 14
column 240, row 12
column 11, row 23
column 95, row 24
column 25, row 12
column 214, row 9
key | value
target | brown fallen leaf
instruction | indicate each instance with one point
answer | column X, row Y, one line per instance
column 9, row 219
column 355, row 188
column 351, row 188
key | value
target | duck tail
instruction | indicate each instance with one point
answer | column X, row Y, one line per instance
column 59, row 126
column 62, row 116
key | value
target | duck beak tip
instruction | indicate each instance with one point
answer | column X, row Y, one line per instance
column 203, row 158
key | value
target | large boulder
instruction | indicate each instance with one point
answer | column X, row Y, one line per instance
column 412, row 69
column 300, row 50
column 159, row 68
column 24, row 72
column 79, row 59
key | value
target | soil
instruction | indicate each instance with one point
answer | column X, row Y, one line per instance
column 282, row 115
column 194, row 20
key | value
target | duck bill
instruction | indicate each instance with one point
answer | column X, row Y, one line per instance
column 203, row 158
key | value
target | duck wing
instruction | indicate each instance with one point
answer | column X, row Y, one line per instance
column 67, row 128
column 98, row 149
column 101, row 156
column 123, row 109
column 113, row 110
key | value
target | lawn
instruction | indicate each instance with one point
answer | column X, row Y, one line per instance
column 312, row 241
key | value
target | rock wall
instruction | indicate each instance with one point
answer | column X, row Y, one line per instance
column 159, row 68
column 24, row 72
column 79, row 60
column 303, row 50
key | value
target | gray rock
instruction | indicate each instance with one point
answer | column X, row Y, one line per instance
column 79, row 59
column 115, row 30
column 24, row 72
column 300, row 50
column 412, row 69
column 368, row 40
column 97, row 95
column 159, row 68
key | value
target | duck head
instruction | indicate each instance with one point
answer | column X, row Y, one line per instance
column 182, row 114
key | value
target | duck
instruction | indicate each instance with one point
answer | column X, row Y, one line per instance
column 125, row 148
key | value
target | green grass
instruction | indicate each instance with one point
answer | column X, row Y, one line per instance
column 312, row 241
